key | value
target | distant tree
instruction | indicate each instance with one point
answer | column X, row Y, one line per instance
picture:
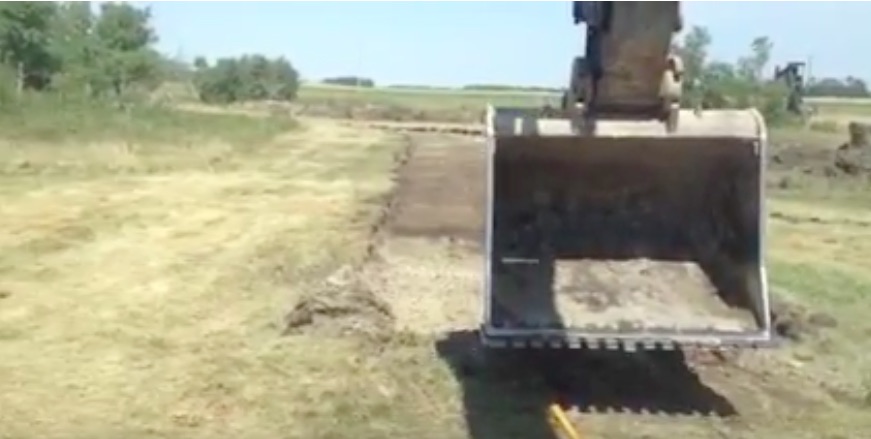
column 175, row 69
column 719, row 84
column 354, row 81
column 283, row 80
column 752, row 67
column 72, row 50
column 201, row 62
column 76, row 49
column 849, row 87
column 125, row 36
column 24, row 41
column 693, row 50
column 246, row 78
column 64, row 46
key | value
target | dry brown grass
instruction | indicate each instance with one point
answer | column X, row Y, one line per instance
column 142, row 289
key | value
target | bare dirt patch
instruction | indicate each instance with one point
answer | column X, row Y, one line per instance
column 626, row 295
column 440, row 190
column 423, row 270
column 427, row 265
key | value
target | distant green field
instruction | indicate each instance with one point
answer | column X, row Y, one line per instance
column 424, row 98
column 842, row 106
column 435, row 98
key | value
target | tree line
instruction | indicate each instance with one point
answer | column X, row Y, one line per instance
column 351, row 81
column 70, row 48
column 245, row 78
column 713, row 83
column 746, row 82
column 849, row 87
column 63, row 46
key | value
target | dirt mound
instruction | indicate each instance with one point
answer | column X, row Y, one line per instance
column 854, row 157
column 795, row 322
column 816, row 156
column 853, row 161
column 342, row 306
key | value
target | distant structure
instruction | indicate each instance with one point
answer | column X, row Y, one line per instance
column 793, row 75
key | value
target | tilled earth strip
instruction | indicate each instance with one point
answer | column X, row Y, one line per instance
column 428, row 266
column 423, row 270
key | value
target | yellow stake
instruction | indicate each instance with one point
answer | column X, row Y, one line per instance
column 561, row 422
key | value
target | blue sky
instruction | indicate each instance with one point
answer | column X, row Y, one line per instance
column 455, row 43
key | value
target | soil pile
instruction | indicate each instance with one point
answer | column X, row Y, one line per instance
column 854, row 157
column 342, row 306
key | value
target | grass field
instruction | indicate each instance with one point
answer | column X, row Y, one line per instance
column 441, row 98
column 144, row 276
column 148, row 258
column 421, row 99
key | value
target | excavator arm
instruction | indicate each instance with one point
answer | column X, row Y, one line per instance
column 628, row 70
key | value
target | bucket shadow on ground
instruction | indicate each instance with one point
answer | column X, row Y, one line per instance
column 507, row 393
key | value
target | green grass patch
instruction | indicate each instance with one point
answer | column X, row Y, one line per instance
column 52, row 119
column 849, row 195
column 821, row 285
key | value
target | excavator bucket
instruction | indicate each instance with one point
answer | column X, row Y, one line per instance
column 633, row 238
